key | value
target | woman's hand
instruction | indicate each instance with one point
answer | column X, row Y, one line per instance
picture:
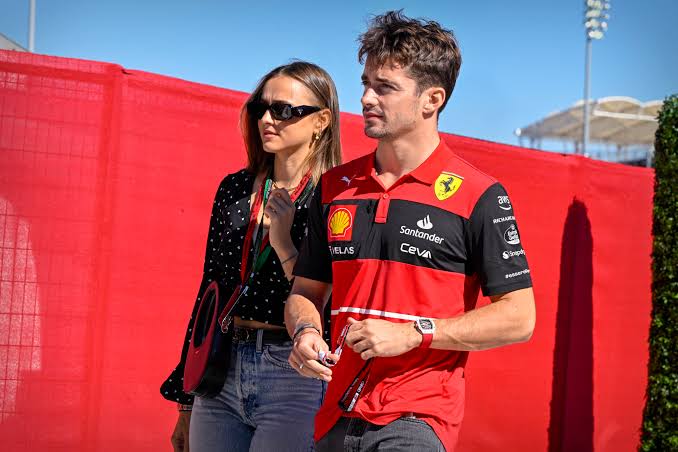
column 180, row 435
column 280, row 211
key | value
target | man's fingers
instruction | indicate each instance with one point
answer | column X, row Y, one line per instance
column 310, row 368
column 362, row 345
column 313, row 368
column 309, row 358
column 367, row 354
column 354, row 336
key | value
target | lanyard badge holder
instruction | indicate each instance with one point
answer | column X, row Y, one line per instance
column 352, row 393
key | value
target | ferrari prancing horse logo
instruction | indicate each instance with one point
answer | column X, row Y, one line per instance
column 447, row 185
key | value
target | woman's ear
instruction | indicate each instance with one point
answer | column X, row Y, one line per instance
column 324, row 119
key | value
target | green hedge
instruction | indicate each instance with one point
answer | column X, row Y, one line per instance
column 660, row 419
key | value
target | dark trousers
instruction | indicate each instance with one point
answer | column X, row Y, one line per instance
column 406, row 434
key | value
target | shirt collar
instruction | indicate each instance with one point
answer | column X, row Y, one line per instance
column 427, row 172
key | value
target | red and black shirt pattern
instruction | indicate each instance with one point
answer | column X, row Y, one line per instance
column 424, row 247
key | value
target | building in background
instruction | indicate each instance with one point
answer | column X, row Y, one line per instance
column 8, row 44
column 621, row 128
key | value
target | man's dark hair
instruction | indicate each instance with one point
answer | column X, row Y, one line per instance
column 428, row 51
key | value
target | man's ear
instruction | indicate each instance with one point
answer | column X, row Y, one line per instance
column 433, row 98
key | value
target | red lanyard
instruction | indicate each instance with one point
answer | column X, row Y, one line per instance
column 261, row 198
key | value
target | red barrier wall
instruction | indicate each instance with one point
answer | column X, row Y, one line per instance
column 106, row 181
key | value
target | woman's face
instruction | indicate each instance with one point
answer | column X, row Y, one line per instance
column 294, row 134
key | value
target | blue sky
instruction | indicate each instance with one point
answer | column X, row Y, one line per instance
column 522, row 59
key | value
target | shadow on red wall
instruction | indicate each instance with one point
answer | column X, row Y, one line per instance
column 571, row 421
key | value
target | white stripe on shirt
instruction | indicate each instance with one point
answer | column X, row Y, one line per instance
column 393, row 315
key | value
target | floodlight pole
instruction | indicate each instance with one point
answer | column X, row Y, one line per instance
column 595, row 23
column 31, row 26
column 587, row 90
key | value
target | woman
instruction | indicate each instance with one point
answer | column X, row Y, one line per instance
column 290, row 125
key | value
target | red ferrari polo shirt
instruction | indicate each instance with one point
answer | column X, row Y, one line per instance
column 424, row 247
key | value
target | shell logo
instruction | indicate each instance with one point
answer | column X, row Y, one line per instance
column 340, row 222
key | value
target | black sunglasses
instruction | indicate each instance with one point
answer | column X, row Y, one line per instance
column 280, row 111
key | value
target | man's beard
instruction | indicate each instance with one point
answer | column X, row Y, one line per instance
column 376, row 132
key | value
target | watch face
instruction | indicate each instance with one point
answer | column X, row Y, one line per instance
column 425, row 324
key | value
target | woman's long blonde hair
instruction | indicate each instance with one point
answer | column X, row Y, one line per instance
column 326, row 152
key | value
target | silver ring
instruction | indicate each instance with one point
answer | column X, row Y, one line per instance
column 301, row 366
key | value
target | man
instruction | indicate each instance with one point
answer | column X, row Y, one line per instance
column 405, row 237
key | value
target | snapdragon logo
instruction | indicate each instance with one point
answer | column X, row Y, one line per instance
column 510, row 254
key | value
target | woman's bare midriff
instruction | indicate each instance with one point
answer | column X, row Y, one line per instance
column 255, row 325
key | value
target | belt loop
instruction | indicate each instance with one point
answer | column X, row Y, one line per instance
column 260, row 340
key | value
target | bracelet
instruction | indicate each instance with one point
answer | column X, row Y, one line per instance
column 302, row 327
column 182, row 407
column 289, row 258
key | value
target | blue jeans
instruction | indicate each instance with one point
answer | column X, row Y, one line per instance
column 265, row 405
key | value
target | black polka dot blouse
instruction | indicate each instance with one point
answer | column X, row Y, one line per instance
column 266, row 297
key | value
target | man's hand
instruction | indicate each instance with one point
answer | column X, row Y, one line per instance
column 304, row 356
column 180, row 435
column 374, row 337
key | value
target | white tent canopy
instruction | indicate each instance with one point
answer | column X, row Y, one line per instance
column 618, row 120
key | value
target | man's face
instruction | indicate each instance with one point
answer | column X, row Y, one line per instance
column 391, row 103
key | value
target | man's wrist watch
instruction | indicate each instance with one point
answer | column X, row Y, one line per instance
column 426, row 328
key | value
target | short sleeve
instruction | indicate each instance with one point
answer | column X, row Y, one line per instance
column 496, row 250
column 314, row 261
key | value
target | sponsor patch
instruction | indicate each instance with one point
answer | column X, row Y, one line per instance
column 410, row 249
column 521, row 272
column 425, row 223
column 502, row 219
column 447, row 185
column 430, row 236
column 510, row 254
column 504, row 202
column 340, row 222
column 340, row 250
column 511, row 235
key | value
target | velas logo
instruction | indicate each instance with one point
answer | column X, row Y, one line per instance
column 340, row 222
column 447, row 185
